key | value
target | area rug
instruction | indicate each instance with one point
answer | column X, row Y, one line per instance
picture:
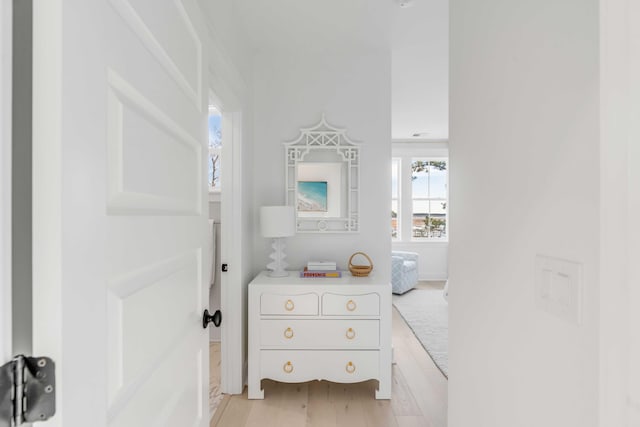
column 427, row 314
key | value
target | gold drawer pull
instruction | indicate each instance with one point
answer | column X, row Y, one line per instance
column 289, row 305
column 288, row 333
column 288, row 367
column 351, row 305
column 351, row 334
column 350, row 368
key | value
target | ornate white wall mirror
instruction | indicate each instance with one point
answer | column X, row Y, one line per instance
column 323, row 180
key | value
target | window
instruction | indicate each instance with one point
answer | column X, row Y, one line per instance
column 429, row 199
column 215, row 147
column 419, row 197
column 395, row 194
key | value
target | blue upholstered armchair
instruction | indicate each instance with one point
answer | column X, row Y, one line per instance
column 404, row 271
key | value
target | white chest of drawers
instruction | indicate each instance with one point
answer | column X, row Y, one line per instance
column 335, row 329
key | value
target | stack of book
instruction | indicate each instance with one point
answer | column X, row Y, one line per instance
column 321, row 269
column 322, row 266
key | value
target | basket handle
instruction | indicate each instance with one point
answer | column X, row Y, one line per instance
column 361, row 253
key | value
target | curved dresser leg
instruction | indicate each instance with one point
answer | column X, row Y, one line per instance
column 255, row 390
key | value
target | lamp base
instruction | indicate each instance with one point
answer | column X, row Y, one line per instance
column 278, row 266
column 282, row 273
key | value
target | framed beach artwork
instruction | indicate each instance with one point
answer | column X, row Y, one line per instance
column 319, row 192
column 312, row 196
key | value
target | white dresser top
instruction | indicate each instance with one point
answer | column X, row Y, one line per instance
column 294, row 279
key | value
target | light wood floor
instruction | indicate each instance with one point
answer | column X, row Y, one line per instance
column 215, row 395
column 419, row 396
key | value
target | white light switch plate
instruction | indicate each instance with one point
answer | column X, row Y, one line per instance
column 558, row 287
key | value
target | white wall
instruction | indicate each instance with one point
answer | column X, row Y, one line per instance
column 214, row 210
column 433, row 256
column 292, row 90
column 215, row 294
column 620, row 208
column 215, row 289
column 5, row 180
column 524, row 180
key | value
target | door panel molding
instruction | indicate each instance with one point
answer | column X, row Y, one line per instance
column 156, row 325
column 146, row 393
column 186, row 198
column 159, row 326
column 150, row 40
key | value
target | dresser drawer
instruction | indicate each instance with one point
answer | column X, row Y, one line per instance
column 317, row 333
column 350, row 305
column 292, row 305
column 338, row 366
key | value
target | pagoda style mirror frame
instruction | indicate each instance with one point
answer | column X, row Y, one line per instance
column 322, row 180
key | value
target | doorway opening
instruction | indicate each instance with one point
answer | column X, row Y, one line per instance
column 214, row 181
column 419, row 236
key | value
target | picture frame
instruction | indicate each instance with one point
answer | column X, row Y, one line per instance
column 332, row 174
column 312, row 196
column 325, row 153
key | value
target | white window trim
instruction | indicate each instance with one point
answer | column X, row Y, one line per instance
column 407, row 152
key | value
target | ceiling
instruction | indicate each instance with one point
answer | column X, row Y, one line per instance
column 418, row 36
column 314, row 24
column 420, row 70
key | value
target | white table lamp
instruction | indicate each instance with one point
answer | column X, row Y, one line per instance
column 277, row 222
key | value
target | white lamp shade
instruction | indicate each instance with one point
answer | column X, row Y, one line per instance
column 277, row 221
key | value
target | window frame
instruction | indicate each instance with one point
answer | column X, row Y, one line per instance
column 407, row 151
column 214, row 192
column 430, row 199
column 398, row 198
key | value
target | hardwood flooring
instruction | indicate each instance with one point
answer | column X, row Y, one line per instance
column 215, row 394
column 419, row 397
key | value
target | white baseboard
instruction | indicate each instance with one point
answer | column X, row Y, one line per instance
column 433, row 277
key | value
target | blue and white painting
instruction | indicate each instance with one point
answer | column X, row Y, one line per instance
column 312, row 196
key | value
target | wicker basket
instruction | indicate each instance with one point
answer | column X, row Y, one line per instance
column 360, row 270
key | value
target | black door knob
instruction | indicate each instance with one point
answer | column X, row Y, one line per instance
column 215, row 318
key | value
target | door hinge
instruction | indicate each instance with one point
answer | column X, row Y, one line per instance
column 27, row 391
column 225, row 267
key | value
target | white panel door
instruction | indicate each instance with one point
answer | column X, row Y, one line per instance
column 120, row 223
